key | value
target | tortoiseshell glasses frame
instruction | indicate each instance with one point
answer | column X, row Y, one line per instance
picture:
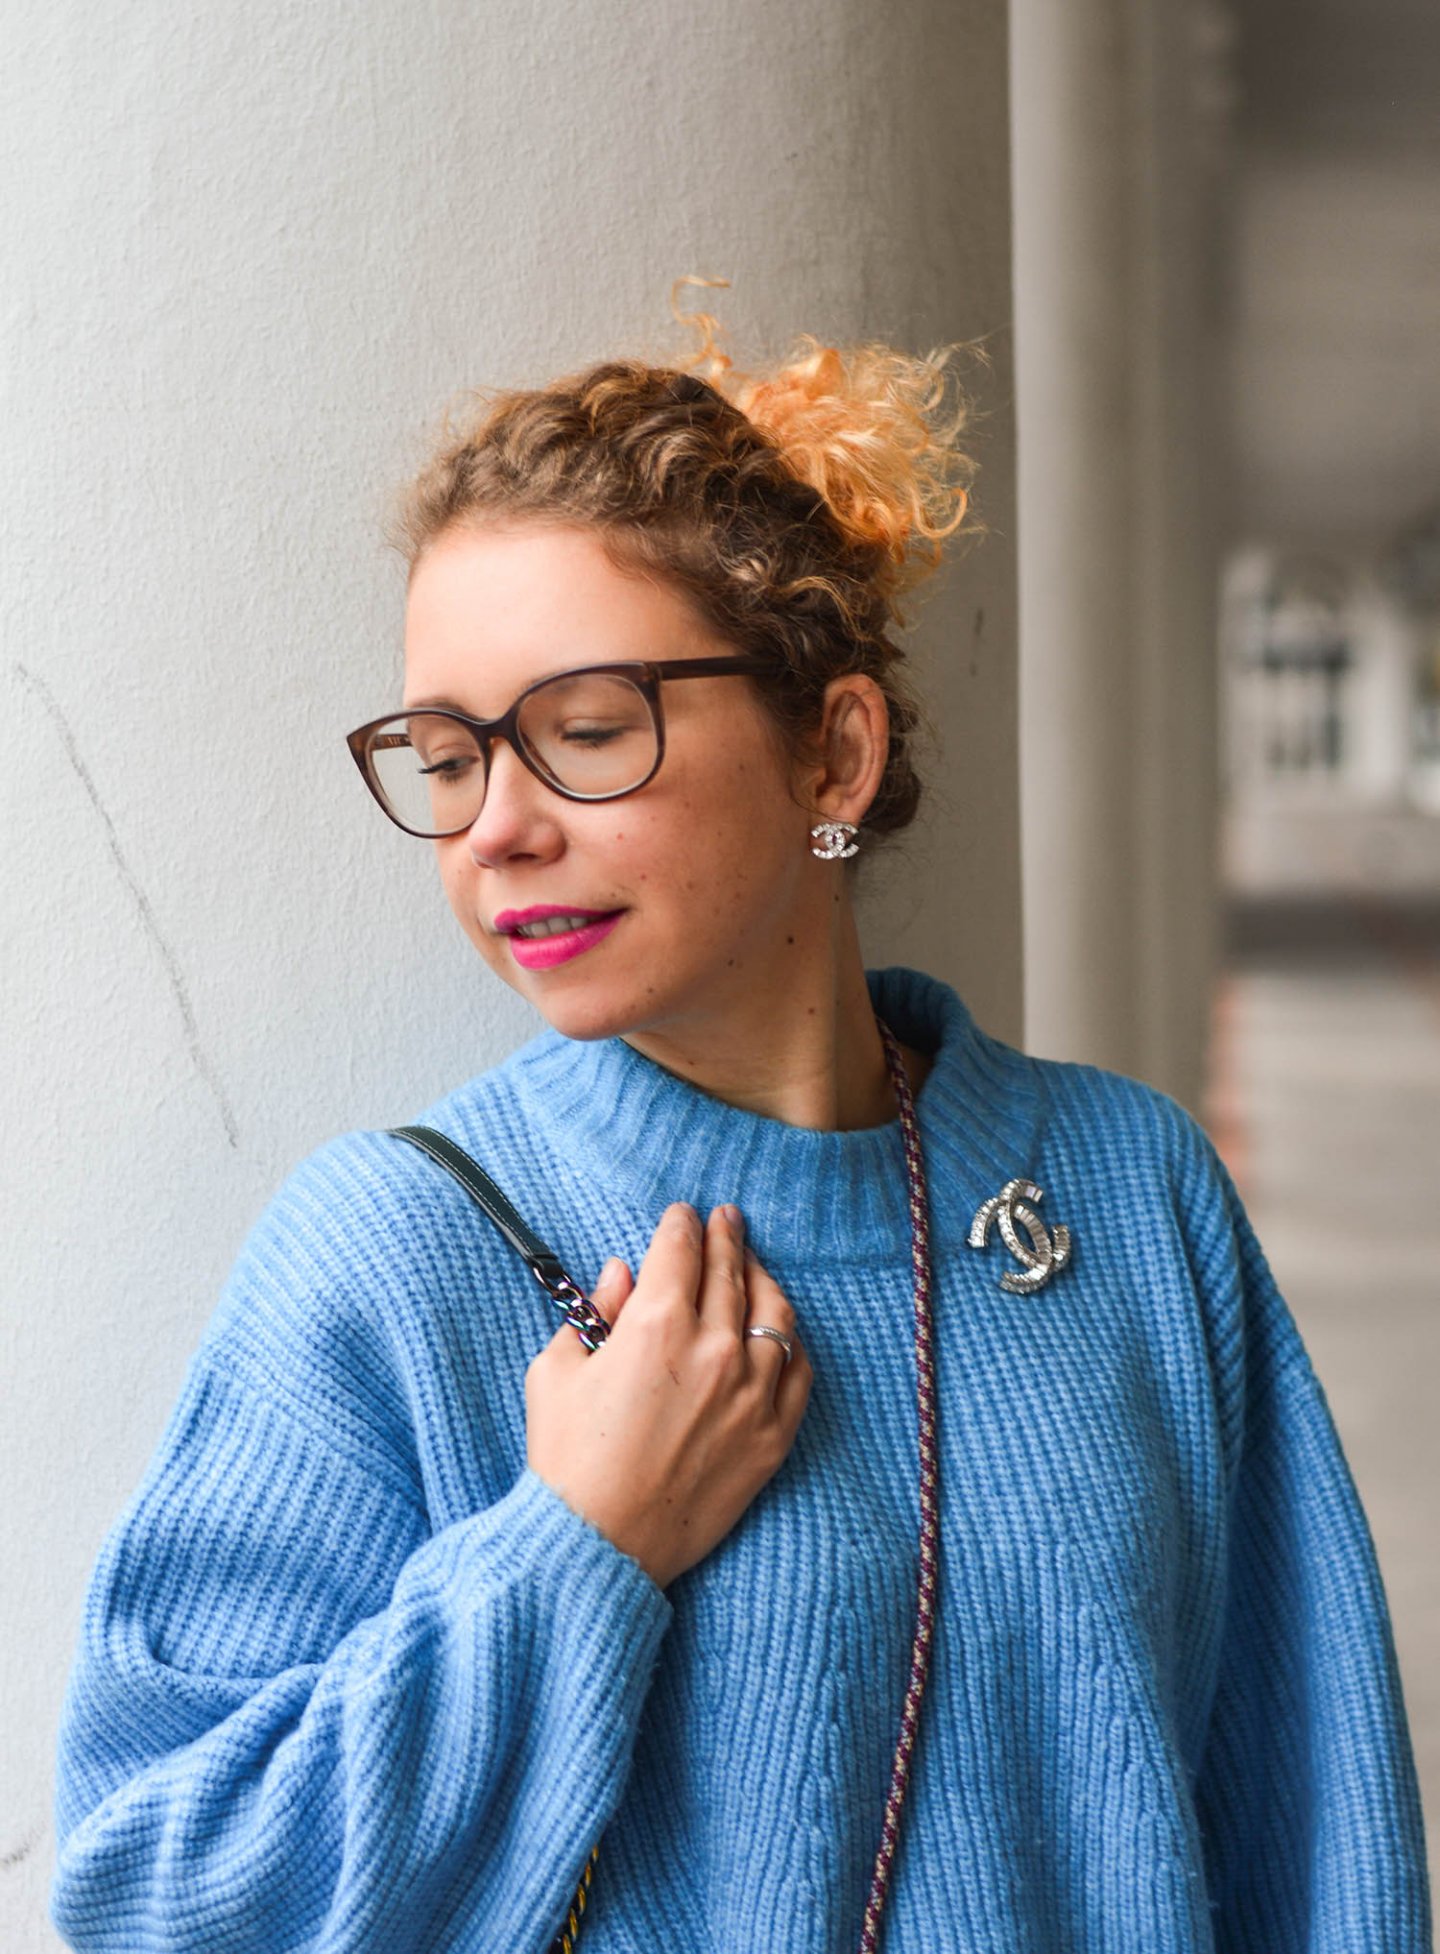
column 646, row 675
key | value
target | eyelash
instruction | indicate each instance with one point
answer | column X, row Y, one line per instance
column 441, row 765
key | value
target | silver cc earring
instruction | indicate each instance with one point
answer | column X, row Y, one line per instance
column 835, row 840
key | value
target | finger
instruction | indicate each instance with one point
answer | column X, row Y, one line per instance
column 612, row 1286
column 770, row 1308
column 768, row 1302
column 565, row 1346
column 792, row 1387
column 669, row 1276
column 723, row 1299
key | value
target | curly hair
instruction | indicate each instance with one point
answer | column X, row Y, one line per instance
column 794, row 506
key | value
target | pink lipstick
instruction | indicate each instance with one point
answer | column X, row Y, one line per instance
column 559, row 946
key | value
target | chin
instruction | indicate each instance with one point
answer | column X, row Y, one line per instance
column 584, row 1011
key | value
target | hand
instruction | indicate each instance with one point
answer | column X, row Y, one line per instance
column 663, row 1435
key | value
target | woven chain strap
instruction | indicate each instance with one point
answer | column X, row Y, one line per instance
column 929, row 1504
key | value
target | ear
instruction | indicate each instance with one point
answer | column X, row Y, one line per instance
column 846, row 755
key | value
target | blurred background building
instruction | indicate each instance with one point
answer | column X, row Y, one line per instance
column 1325, row 1064
column 1188, row 819
column 1227, row 303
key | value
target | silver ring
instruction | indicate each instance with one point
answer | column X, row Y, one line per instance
column 761, row 1330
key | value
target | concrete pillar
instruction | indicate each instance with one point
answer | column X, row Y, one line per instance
column 1075, row 446
column 1117, row 499
column 248, row 257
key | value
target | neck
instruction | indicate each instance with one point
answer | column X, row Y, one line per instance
column 797, row 1043
column 640, row 1137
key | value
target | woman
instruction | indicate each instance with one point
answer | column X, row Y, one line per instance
column 1006, row 1578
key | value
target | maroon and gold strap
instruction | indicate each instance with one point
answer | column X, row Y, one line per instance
column 929, row 1505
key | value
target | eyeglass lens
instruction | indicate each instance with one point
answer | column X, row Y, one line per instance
column 589, row 732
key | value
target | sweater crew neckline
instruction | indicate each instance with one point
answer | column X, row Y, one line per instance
column 611, row 1112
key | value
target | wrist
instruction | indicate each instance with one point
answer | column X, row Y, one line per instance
column 625, row 1531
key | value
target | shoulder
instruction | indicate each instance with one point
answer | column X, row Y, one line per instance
column 355, row 1213
column 365, row 1243
column 1100, row 1100
column 1148, row 1165
column 1172, row 1207
column 363, row 1204
column 1122, row 1131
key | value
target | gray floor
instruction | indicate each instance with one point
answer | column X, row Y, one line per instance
column 1326, row 1102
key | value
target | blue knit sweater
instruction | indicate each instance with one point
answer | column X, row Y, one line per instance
column 351, row 1676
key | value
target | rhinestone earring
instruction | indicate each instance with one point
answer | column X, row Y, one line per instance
column 835, row 839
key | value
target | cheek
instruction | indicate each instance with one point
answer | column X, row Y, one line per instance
column 739, row 797
column 457, row 878
column 743, row 865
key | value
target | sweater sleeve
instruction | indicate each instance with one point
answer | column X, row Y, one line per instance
column 1306, row 1792
column 299, row 1718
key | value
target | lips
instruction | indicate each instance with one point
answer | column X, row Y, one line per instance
column 555, row 946
column 509, row 920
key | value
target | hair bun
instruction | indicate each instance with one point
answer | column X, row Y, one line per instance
column 872, row 430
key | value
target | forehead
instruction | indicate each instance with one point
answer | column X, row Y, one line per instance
column 491, row 609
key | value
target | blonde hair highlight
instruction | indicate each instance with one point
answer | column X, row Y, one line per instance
column 874, row 431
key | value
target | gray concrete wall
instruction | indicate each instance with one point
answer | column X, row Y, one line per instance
column 247, row 256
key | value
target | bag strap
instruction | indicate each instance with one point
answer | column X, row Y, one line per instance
column 548, row 1270
column 544, row 1264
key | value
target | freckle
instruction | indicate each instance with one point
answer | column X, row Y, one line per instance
column 789, row 939
column 729, row 963
column 810, row 1011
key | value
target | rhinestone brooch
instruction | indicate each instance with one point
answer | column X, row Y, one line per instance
column 1043, row 1254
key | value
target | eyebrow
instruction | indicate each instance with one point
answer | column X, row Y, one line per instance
column 441, row 699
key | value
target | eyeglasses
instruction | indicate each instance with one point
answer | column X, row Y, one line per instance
column 590, row 734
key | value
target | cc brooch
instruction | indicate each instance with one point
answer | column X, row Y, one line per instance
column 1044, row 1253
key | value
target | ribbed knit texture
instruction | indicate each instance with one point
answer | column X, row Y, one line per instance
column 351, row 1676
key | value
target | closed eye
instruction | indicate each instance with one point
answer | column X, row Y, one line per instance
column 450, row 768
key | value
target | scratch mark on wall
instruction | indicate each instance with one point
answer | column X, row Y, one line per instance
column 19, row 1853
column 168, row 959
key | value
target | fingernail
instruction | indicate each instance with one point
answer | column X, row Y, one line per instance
column 732, row 1215
column 609, row 1273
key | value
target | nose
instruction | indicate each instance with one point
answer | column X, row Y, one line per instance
column 518, row 815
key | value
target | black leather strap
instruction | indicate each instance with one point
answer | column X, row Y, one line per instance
column 479, row 1186
column 580, row 1313
column 545, row 1265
